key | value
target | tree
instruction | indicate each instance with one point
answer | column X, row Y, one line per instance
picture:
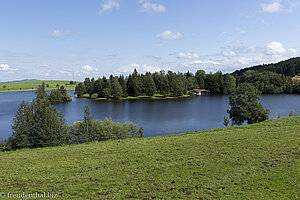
column 98, row 87
column 89, row 85
column 83, row 131
column 293, row 113
column 122, row 82
column 176, row 86
column 229, row 84
column 226, row 121
column 21, row 127
column 80, row 89
column 37, row 125
column 200, row 78
column 41, row 92
column 149, row 85
column 214, row 82
column 106, row 91
column 116, row 89
column 245, row 106
column 162, row 83
column 134, row 85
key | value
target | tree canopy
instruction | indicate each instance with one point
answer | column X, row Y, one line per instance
column 245, row 106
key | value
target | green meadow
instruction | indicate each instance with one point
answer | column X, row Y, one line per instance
column 23, row 86
column 259, row 161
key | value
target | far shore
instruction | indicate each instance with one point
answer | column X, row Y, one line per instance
column 155, row 97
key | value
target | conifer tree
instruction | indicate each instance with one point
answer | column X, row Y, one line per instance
column 80, row 89
column 116, row 89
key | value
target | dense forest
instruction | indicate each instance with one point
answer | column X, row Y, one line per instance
column 268, row 79
column 290, row 67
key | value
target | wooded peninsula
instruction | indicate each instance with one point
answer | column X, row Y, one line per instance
column 268, row 79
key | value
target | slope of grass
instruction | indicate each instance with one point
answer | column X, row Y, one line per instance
column 32, row 85
column 260, row 161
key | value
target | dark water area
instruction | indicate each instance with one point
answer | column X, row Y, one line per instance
column 158, row 117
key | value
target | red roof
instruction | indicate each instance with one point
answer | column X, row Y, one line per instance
column 296, row 79
column 198, row 90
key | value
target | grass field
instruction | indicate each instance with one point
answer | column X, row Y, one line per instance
column 32, row 85
column 260, row 161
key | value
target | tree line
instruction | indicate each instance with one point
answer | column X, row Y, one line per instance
column 38, row 124
column 290, row 67
column 149, row 84
column 178, row 84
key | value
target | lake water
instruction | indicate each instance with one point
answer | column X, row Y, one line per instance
column 158, row 117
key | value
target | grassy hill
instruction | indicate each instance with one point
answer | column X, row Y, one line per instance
column 260, row 161
column 32, row 85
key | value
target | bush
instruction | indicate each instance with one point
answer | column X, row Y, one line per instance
column 94, row 96
column 293, row 113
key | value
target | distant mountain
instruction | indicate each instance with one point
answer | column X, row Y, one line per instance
column 290, row 67
column 20, row 80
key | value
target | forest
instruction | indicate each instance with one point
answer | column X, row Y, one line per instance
column 290, row 67
column 268, row 79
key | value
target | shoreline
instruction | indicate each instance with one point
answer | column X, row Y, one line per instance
column 137, row 98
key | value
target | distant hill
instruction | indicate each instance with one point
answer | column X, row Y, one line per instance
column 20, row 80
column 31, row 85
column 290, row 67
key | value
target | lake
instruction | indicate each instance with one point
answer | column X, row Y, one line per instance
column 158, row 117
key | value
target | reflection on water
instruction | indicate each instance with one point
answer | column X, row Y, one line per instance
column 158, row 117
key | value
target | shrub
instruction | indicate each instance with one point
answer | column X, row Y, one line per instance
column 293, row 113
column 94, row 96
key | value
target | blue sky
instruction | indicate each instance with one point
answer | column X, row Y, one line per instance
column 56, row 39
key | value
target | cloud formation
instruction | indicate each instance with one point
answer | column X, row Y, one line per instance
column 7, row 68
column 229, row 53
column 169, row 35
column 109, row 5
column 153, row 7
column 188, row 55
column 272, row 7
column 140, row 68
column 57, row 33
column 89, row 70
column 275, row 48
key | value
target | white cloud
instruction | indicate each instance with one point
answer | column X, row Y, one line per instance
column 275, row 48
column 89, row 70
column 4, row 67
column 109, row 5
column 7, row 68
column 293, row 52
column 57, row 33
column 272, row 7
column 140, row 68
column 153, row 7
column 202, row 62
column 229, row 53
column 188, row 55
column 169, row 35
